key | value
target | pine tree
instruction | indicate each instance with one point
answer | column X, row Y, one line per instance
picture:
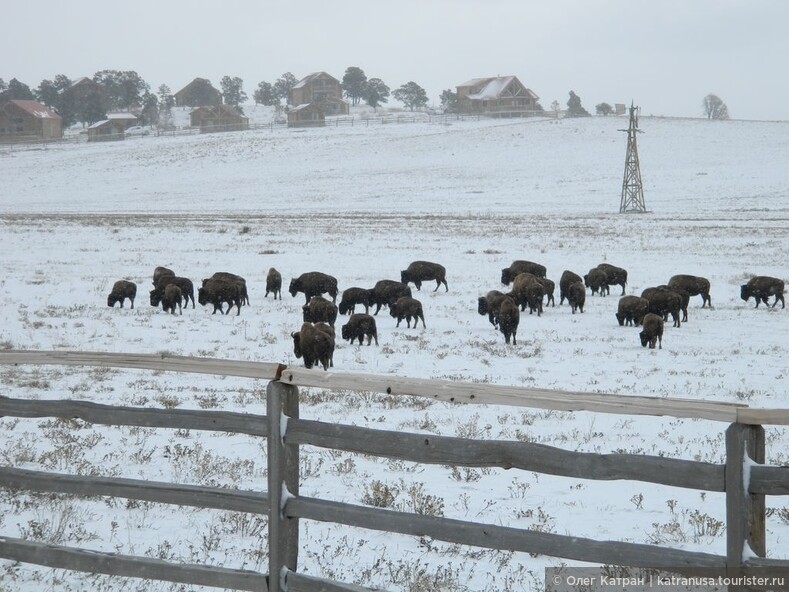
column 449, row 101
column 283, row 85
column 264, row 94
column 376, row 92
column 233, row 91
column 354, row 83
column 574, row 107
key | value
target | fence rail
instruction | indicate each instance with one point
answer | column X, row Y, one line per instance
column 744, row 478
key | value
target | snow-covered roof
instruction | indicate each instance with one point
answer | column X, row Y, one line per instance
column 300, row 107
column 36, row 109
column 99, row 124
column 492, row 88
column 122, row 116
column 301, row 83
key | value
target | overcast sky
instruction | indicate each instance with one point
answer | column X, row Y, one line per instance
column 665, row 55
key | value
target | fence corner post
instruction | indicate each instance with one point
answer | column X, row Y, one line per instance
column 282, row 400
column 745, row 512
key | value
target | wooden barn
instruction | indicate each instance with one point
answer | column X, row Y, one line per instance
column 502, row 96
column 321, row 89
column 199, row 92
column 307, row 115
column 112, row 128
column 218, row 118
column 28, row 120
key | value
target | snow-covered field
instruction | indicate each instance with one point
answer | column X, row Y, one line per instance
column 361, row 203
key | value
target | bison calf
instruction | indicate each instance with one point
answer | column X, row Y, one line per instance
column 653, row 331
column 509, row 317
column 407, row 308
column 170, row 298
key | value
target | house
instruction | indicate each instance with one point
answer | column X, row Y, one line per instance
column 307, row 115
column 112, row 128
column 322, row 89
column 28, row 120
column 218, row 118
column 502, row 96
column 198, row 93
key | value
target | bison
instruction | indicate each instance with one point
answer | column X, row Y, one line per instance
column 235, row 279
column 185, row 284
column 615, row 276
column 521, row 289
column 217, row 292
column 424, row 271
column 314, row 346
column 694, row 286
column 273, row 283
column 597, row 280
column 576, row 296
column 508, row 274
column 353, row 296
column 663, row 302
column 509, row 317
column 568, row 279
column 490, row 304
column 386, row 293
column 359, row 326
column 549, row 286
column 653, row 331
column 159, row 272
column 319, row 310
column 314, row 283
column 407, row 308
column 631, row 310
column 121, row 290
column 761, row 288
column 171, row 297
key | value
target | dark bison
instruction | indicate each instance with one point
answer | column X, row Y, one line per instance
column 121, row 290
column 424, row 271
column 407, row 308
column 236, row 279
column 353, row 296
column 653, row 331
column 273, row 283
column 508, row 274
column 663, row 302
column 314, row 345
column 386, row 293
column 761, row 288
column 631, row 310
column 359, row 326
column 568, row 279
column 170, row 298
column 525, row 293
column 576, row 296
column 319, row 310
column 218, row 292
column 550, row 287
column 490, row 304
column 597, row 280
column 694, row 286
column 314, row 283
column 616, row 276
column 159, row 272
column 684, row 300
column 185, row 285
column 509, row 317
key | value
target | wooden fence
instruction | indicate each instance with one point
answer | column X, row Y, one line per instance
column 744, row 478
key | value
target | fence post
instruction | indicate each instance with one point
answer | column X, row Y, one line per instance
column 283, row 476
column 745, row 512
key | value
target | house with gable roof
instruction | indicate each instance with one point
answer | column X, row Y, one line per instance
column 503, row 96
column 28, row 120
column 200, row 92
column 321, row 89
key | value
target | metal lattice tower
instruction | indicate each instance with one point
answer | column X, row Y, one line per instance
column 632, row 188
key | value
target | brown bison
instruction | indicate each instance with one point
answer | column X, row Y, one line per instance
column 568, row 279
column 597, row 280
column 359, row 326
column 509, row 317
column 315, row 345
column 616, row 276
column 386, row 293
column 761, row 288
column 576, row 296
column 319, row 310
column 159, row 272
column 218, row 292
column 424, row 271
column 653, row 331
column 273, row 283
column 121, row 290
column 171, row 297
column 631, row 310
column 663, row 302
column 508, row 274
column 490, row 304
column 407, row 308
column 353, row 296
column 694, row 286
column 185, row 284
column 236, row 279
column 314, row 283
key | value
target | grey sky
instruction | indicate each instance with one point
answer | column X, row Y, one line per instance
column 666, row 55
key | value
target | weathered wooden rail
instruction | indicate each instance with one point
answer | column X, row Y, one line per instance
column 744, row 478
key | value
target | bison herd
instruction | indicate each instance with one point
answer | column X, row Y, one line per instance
column 314, row 342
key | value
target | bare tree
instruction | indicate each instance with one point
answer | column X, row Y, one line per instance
column 715, row 108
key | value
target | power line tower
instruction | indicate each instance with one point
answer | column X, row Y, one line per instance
column 632, row 188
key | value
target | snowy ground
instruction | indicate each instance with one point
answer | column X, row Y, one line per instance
column 361, row 203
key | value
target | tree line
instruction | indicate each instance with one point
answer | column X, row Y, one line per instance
column 115, row 90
